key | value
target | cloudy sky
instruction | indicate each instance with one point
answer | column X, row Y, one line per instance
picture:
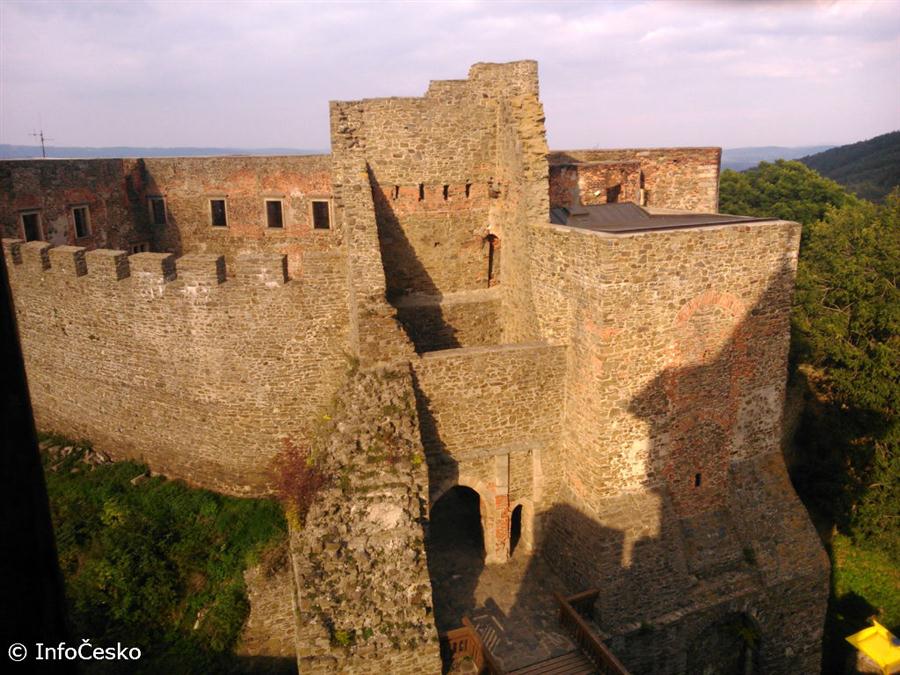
column 613, row 74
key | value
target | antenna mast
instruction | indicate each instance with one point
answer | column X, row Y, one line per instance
column 40, row 134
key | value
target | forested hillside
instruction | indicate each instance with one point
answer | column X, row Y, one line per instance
column 845, row 367
column 870, row 169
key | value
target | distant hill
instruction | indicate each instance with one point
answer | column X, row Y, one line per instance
column 34, row 152
column 869, row 168
column 741, row 159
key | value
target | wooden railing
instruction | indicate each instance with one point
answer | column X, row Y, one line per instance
column 585, row 637
column 465, row 642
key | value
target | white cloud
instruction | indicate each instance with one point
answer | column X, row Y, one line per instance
column 256, row 74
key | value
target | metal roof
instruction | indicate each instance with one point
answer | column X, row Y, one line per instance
column 627, row 217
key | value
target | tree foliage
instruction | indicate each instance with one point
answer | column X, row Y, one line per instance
column 846, row 323
column 847, row 326
column 782, row 189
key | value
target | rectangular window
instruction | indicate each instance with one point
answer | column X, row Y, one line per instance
column 274, row 213
column 143, row 247
column 321, row 211
column 217, row 213
column 82, row 217
column 157, row 210
column 31, row 225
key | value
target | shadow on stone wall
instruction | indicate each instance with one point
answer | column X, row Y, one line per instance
column 405, row 274
column 140, row 185
column 724, row 550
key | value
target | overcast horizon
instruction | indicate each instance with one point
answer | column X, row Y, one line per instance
column 260, row 75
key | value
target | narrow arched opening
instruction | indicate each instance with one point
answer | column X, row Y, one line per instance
column 515, row 529
column 493, row 259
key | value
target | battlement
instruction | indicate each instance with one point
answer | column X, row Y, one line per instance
column 265, row 270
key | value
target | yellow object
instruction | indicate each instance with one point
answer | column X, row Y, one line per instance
column 880, row 645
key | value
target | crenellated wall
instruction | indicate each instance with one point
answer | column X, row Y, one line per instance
column 188, row 183
column 172, row 361
column 116, row 192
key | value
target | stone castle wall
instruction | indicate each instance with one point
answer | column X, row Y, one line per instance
column 673, row 178
column 188, row 183
column 361, row 581
column 54, row 186
column 678, row 343
column 116, row 192
column 169, row 361
column 625, row 390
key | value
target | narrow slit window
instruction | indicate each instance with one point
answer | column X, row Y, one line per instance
column 157, row 210
column 321, row 213
column 446, row 192
column 82, row 219
column 396, row 192
column 31, row 226
column 274, row 214
column 468, row 190
column 217, row 213
column 697, row 479
column 421, row 191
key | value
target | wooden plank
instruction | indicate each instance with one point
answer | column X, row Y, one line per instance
column 573, row 663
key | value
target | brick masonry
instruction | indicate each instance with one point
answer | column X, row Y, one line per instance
column 625, row 390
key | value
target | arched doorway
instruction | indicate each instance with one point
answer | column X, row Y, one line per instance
column 730, row 646
column 515, row 529
column 456, row 552
column 456, row 521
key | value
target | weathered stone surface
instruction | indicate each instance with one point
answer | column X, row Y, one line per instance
column 624, row 392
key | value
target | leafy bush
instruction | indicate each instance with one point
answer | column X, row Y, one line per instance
column 299, row 478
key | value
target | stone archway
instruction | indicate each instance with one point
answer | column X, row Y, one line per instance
column 456, row 548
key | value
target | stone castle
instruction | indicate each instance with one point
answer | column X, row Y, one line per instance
column 578, row 339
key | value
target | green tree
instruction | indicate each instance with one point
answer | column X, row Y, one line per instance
column 847, row 327
column 783, row 189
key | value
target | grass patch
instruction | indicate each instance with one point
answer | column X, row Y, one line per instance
column 865, row 583
column 156, row 565
column 868, row 574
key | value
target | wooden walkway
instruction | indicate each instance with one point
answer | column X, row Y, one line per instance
column 592, row 657
column 573, row 663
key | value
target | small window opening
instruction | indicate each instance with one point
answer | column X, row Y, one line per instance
column 697, row 480
column 31, row 225
column 468, row 190
column 143, row 247
column 612, row 194
column 491, row 240
column 321, row 215
column 274, row 213
column 157, row 210
column 446, row 192
column 421, row 191
column 82, row 218
column 217, row 213
column 396, row 192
